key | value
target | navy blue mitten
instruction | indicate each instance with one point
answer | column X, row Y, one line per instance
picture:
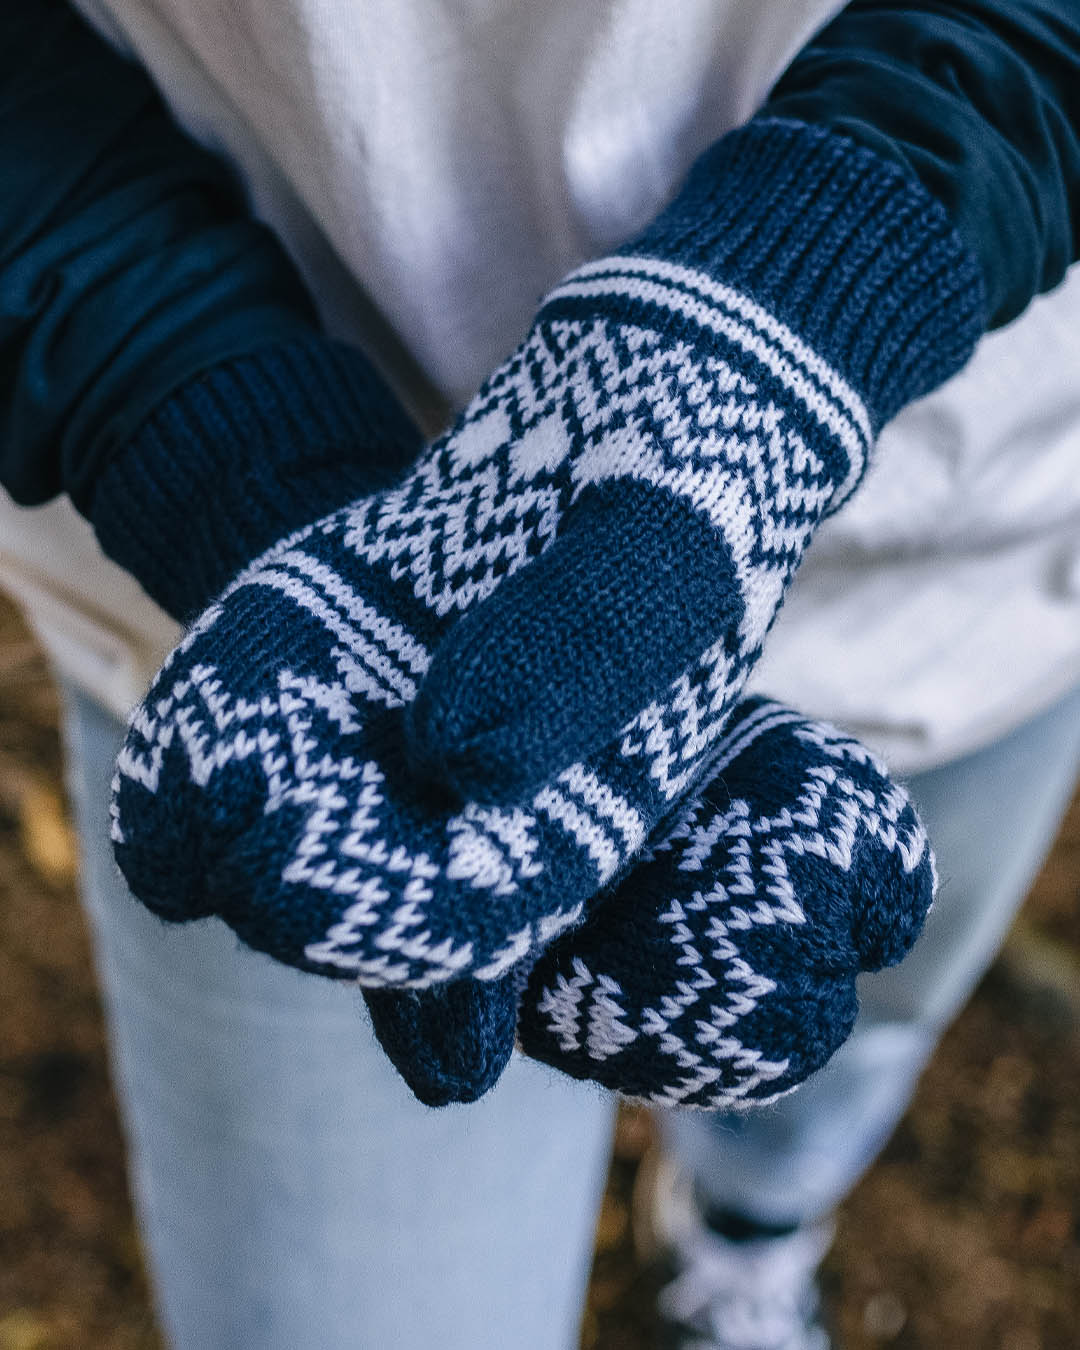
column 681, row 417
column 721, row 971
column 411, row 740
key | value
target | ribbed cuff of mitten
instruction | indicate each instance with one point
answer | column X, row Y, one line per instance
column 852, row 254
column 241, row 456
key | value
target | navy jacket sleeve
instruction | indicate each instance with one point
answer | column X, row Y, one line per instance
column 128, row 261
column 981, row 99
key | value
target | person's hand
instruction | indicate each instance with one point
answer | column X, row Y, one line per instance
column 558, row 605
column 680, row 419
column 721, row 972
column 661, row 449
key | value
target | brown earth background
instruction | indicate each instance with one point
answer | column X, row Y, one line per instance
column 964, row 1236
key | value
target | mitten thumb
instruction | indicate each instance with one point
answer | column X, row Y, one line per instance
column 450, row 1043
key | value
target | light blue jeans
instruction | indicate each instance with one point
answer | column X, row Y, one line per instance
column 294, row 1196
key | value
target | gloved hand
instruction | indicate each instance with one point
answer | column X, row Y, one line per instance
column 628, row 495
column 677, row 423
column 721, row 972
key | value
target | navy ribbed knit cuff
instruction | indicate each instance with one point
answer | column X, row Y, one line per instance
column 242, row 455
column 855, row 256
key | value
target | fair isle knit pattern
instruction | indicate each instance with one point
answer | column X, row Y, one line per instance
column 721, row 973
column 714, row 391
column 623, row 502
column 665, row 446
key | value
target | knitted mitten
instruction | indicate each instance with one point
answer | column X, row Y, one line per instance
column 677, row 423
column 721, row 972
column 647, row 469
column 225, row 465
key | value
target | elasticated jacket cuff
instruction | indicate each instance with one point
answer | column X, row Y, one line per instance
column 241, row 456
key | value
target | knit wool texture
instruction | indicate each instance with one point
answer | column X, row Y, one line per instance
column 241, row 455
column 651, row 462
column 716, row 388
column 721, row 972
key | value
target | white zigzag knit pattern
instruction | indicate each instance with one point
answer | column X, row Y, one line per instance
column 340, row 848
column 589, row 401
column 726, row 894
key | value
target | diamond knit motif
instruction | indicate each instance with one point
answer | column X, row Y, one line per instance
column 587, row 403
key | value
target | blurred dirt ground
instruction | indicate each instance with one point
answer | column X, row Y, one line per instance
column 966, row 1235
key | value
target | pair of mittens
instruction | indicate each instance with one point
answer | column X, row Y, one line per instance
column 414, row 740
column 720, row 972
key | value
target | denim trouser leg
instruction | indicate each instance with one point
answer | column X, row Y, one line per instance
column 292, row 1193
column 991, row 816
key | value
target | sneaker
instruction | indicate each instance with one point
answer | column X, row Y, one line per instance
column 750, row 1294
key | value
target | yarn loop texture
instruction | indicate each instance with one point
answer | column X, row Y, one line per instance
column 415, row 740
